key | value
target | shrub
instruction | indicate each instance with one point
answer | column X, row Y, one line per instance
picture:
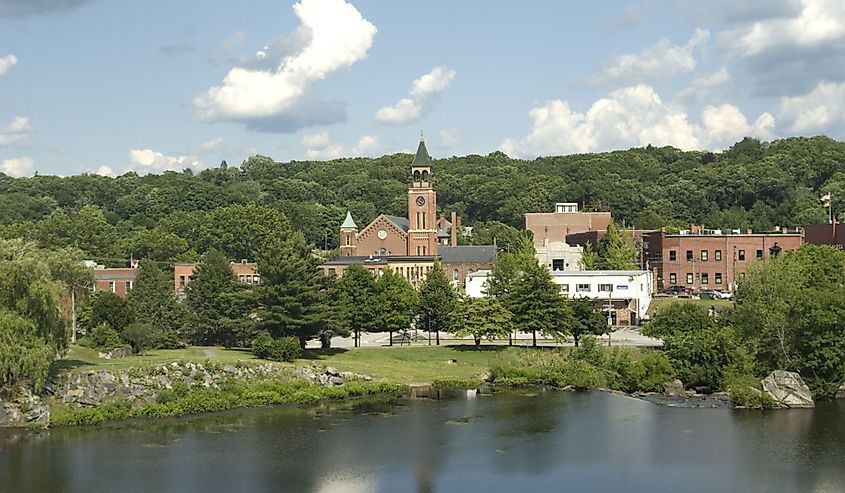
column 142, row 336
column 105, row 337
column 281, row 349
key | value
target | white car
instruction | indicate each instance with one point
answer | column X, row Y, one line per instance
column 715, row 295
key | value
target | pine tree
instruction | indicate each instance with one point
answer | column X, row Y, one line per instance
column 153, row 301
column 484, row 317
column 615, row 251
column 395, row 303
column 437, row 301
column 589, row 257
column 289, row 299
column 537, row 305
column 357, row 300
column 218, row 302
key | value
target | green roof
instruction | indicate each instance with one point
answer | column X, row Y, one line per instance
column 348, row 222
column 422, row 158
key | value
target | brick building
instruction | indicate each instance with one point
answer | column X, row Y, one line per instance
column 825, row 234
column 549, row 227
column 119, row 281
column 247, row 272
column 409, row 245
column 701, row 258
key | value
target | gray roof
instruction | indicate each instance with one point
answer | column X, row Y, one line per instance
column 467, row 254
column 400, row 222
column 421, row 158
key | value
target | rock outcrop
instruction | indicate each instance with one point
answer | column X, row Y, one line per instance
column 788, row 389
column 19, row 407
column 675, row 388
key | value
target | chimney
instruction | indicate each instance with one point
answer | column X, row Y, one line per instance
column 749, row 231
column 693, row 228
column 441, row 224
column 456, row 223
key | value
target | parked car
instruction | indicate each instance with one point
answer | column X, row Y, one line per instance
column 677, row 291
column 712, row 294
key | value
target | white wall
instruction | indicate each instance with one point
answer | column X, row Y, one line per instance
column 571, row 255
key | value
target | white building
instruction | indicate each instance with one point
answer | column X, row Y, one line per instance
column 627, row 293
column 557, row 255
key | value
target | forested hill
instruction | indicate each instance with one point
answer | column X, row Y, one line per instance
column 176, row 215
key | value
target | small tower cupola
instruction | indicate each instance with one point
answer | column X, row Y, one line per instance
column 421, row 166
column 348, row 236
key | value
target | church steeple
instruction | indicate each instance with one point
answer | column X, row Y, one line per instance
column 422, row 158
column 422, row 205
column 348, row 236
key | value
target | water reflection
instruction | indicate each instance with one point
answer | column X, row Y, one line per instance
column 540, row 441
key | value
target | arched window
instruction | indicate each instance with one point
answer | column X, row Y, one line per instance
column 425, row 175
column 417, row 175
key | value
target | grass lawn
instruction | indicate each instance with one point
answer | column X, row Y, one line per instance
column 661, row 301
column 404, row 365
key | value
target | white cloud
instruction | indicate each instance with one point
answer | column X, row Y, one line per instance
column 701, row 85
column 16, row 167
column 16, row 131
column 410, row 109
column 816, row 23
column 817, row 111
column 629, row 117
column 148, row 161
column 319, row 146
column 104, row 171
column 339, row 37
column 211, row 145
column 7, row 62
column 655, row 62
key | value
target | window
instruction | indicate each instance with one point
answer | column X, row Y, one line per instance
column 689, row 277
column 181, row 282
column 717, row 255
column 759, row 254
column 348, row 239
column 111, row 286
column 673, row 255
column 704, row 255
column 455, row 275
column 128, row 286
column 741, row 255
column 582, row 288
column 704, row 278
column 332, row 271
column 564, row 288
column 605, row 288
column 673, row 278
column 742, row 275
column 557, row 264
column 689, row 255
column 718, row 278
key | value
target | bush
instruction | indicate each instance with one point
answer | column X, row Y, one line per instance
column 141, row 336
column 105, row 337
column 281, row 349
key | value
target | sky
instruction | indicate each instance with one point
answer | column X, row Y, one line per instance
column 96, row 86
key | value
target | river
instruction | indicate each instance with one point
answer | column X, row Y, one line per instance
column 546, row 441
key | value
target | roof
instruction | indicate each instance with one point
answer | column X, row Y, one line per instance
column 387, row 259
column 348, row 222
column 400, row 222
column 422, row 158
column 114, row 274
column 594, row 273
column 467, row 254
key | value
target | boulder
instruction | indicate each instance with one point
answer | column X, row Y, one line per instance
column 332, row 371
column 788, row 389
column 347, row 375
column 840, row 394
column 306, row 374
column 336, row 381
column 675, row 388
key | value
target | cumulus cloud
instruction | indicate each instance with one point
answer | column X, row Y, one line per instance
column 628, row 117
column 816, row 23
column 820, row 110
column 654, row 62
column 410, row 109
column 104, row 171
column 320, row 146
column 24, row 8
column 338, row 36
column 211, row 145
column 702, row 85
column 17, row 167
column 7, row 62
column 15, row 132
column 145, row 161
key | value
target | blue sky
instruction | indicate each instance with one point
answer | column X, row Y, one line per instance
column 111, row 86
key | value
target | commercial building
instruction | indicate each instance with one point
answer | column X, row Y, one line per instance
column 701, row 258
column 549, row 227
column 410, row 245
column 626, row 295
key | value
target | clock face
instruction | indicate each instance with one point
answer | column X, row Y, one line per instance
column 382, row 234
column 421, row 201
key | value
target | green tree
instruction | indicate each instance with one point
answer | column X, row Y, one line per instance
column 437, row 300
column 241, row 231
column 395, row 303
column 484, row 318
column 152, row 244
column 616, row 252
column 217, row 302
column 537, row 305
column 357, row 300
column 153, row 301
column 289, row 299
column 105, row 307
column 586, row 319
column 589, row 258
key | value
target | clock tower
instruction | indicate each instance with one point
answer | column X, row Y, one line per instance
column 422, row 206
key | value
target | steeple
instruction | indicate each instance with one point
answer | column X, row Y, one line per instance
column 422, row 158
column 348, row 222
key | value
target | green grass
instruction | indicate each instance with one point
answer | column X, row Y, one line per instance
column 402, row 365
column 658, row 302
